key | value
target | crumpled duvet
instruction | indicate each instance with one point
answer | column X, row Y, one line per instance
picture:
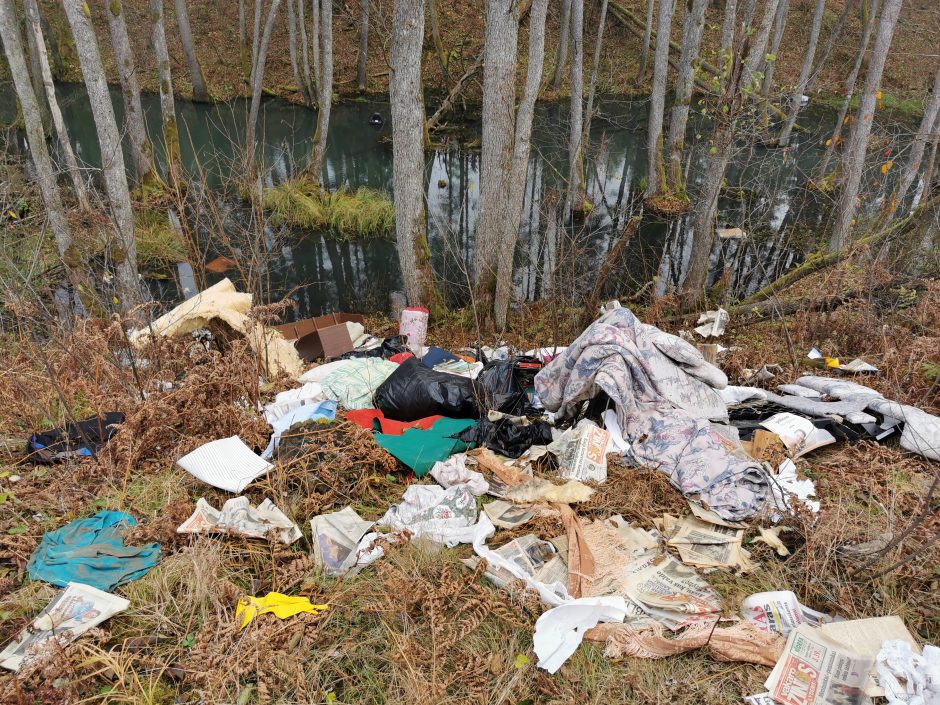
column 665, row 393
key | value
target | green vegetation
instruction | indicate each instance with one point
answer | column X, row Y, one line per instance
column 157, row 242
column 350, row 214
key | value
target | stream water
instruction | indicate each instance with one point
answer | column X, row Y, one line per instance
column 766, row 197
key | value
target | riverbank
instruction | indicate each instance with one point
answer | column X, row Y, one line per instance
column 215, row 26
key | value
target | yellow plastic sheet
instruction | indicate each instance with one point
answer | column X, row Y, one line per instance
column 280, row 605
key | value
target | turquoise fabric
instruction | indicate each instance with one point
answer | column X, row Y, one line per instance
column 92, row 551
column 420, row 449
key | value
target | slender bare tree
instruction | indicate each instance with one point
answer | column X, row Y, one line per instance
column 647, row 37
column 796, row 98
column 408, row 120
column 854, row 159
column 685, row 82
column 656, row 168
column 292, row 49
column 436, row 38
column 363, row 45
column 200, row 93
column 141, row 147
column 324, row 89
column 259, row 61
column 520, row 161
column 592, row 86
column 576, row 111
column 35, row 137
column 848, row 89
column 304, row 53
column 124, row 251
column 918, row 145
column 35, row 76
column 562, row 57
column 770, row 61
column 930, row 169
column 34, row 25
column 171, row 134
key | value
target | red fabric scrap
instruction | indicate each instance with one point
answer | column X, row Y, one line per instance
column 367, row 418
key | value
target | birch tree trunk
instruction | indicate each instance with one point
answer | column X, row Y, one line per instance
column 924, row 133
column 189, row 52
column 292, row 48
column 58, row 122
column 436, row 38
column 500, row 50
column 685, row 82
column 727, row 29
column 141, row 148
column 929, row 170
column 171, row 135
column 647, row 36
column 520, row 160
column 655, row 167
column 257, row 76
column 305, row 53
column 780, row 24
column 575, row 151
column 35, row 77
column 562, row 58
column 315, row 44
column 407, row 100
column 35, row 137
column 363, row 46
column 124, row 254
column 740, row 78
column 796, row 98
column 325, row 82
column 854, row 159
column 592, row 87
column 849, row 90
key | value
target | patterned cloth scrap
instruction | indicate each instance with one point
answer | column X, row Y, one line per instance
column 665, row 396
column 375, row 420
column 92, row 551
column 420, row 449
column 353, row 385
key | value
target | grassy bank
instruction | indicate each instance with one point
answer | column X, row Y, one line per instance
column 349, row 214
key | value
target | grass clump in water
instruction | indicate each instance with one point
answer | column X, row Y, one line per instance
column 350, row 214
column 158, row 242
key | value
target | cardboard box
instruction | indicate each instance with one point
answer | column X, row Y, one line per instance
column 321, row 337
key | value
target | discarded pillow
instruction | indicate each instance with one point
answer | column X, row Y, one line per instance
column 375, row 420
column 323, row 410
column 92, row 551
column 420, row 449
column 82, row 439
column 227, row 464
column 353, row 385
column 413, row 391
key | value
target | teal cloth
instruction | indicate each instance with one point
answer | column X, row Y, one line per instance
column 420, row 449
column 92, row 551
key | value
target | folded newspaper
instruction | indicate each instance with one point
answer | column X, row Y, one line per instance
column 537, row 558
column 238, row 517
column 706, row 545
column 71, row 613
column 506, row 515
column 582, row 452
column 798, row 433
column 336, row 538
column 671, row 593
column 814, row 670
column 779, row 612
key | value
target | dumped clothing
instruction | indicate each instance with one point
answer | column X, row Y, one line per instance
column 75, row 440
column 311, row 394
column 665, row 394
column 353, row 385
column 226, row 463
column 222, row 303
column 71, row 613
column 375, row 420
column 419, row 449
column 322, row 411
column 238, row 517
column 443, row 516
column 276, row 603
column 92, row 551
column 414, row 392
column 507, row 435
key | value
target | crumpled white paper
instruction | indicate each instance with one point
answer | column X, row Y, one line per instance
column 453, row 472
column 920, row 673
column 560, row 630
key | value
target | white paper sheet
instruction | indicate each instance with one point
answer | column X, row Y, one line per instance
column 227, row 464
column 559, row 631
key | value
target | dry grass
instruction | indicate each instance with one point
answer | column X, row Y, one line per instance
column 417, row 626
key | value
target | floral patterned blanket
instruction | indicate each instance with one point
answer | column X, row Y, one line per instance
column 665, row 396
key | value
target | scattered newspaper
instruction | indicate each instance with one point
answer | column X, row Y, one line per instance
column 506, row 515
column 814, row 670
column 238, row 517
column 706, row 545
column 798, row 433
column 712, row 518
column 335, row 539
column 672, row 593
column 537, row 558
column 71, row 613
column 582, row 452
column 759, row 699
column 779, row 612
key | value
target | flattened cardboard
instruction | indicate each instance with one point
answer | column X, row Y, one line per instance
column 321, row 337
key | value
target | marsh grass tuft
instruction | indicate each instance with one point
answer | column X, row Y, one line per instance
column 349, row 214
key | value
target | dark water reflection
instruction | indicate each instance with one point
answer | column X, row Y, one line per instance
column 766, row 197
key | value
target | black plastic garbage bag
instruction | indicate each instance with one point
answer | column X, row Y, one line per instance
column 502, row 385
column 414, row 391
column 80, row 439
column 505, row 437
column 388, row 348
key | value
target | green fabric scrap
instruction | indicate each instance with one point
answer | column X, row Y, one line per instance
column 420, row 449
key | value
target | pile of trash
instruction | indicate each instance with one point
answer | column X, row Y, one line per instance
column 530, row 433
